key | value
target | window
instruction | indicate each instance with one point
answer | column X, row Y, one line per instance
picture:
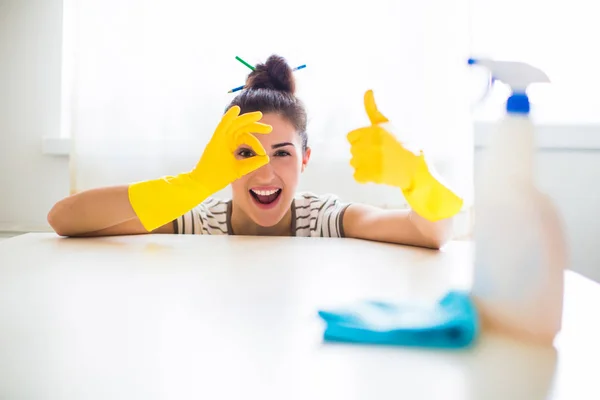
column 149, row 81
column 558, row 37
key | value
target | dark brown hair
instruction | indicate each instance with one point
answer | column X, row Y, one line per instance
column 271, row 88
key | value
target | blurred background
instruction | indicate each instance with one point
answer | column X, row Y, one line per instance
column 105, row 92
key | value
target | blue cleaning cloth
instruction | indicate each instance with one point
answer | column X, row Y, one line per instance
column 452, row 322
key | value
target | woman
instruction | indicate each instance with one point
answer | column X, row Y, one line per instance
column 260, row 147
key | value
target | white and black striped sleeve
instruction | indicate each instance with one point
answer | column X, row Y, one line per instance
column 319, row 216
column 208, row 218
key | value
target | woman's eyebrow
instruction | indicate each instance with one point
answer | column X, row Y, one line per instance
column 283, row 144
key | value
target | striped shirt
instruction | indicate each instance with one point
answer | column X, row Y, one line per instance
column 312, row 216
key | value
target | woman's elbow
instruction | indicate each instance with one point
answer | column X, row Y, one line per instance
column 57, row 218
column 435, row 243
column 441, row 234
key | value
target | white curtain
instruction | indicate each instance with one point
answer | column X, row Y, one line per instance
column 146, row 82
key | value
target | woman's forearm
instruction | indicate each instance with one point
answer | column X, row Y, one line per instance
column 91, row 210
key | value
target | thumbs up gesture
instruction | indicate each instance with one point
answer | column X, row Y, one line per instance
column 378, row 157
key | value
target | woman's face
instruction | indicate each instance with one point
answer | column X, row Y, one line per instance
column 265, row 195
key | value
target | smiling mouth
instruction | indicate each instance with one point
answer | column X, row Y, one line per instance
column 265, row 196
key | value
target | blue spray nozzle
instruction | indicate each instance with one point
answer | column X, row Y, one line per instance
column 518, row 103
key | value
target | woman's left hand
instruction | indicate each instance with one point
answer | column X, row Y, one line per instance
column 377, row 156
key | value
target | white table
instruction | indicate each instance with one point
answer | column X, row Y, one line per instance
column 201, row 317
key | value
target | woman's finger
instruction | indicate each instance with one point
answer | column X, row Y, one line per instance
column 373, row 113
column 247, row 139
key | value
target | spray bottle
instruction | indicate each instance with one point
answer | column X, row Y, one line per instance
column 520, row 252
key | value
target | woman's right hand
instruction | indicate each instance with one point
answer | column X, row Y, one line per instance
column 218, row 166
column 151, row 206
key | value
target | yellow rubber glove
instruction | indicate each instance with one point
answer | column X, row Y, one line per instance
column 378, row 157
column 160, row 201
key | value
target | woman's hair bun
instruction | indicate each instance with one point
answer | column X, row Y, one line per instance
column 275, row 74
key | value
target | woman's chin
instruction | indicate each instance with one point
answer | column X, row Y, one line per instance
column 267, row 219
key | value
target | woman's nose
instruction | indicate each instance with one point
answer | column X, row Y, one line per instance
column 265, row 172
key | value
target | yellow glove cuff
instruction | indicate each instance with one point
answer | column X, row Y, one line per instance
column 160, row 201
column 429, row 197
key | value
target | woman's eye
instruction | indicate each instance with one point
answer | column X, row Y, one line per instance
column 246, row 153
column 282, row 153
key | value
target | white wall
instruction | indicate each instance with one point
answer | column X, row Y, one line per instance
column 30, row 43
column 30, row 182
